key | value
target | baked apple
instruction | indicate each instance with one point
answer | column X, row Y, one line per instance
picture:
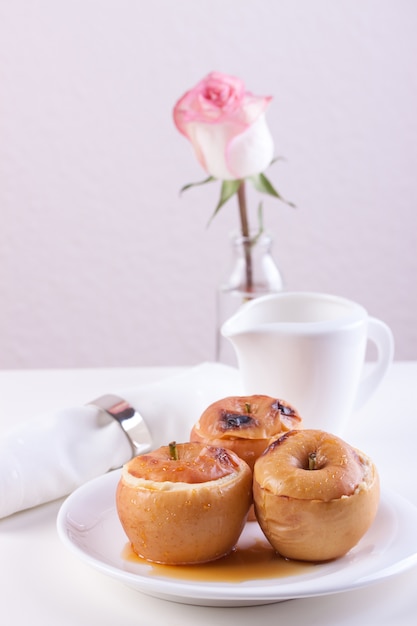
column 245, row 424
column 315, row 496
column 184, row 503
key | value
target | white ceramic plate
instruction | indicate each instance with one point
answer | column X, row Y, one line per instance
column 88, row 524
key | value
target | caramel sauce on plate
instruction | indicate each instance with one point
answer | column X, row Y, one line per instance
column 255, row 561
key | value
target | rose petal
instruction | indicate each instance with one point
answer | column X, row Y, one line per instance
column 250, row 152
column 226, row 127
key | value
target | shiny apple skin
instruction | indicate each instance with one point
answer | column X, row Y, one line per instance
column 245, row 424
column 184, row 523
column 314, row 514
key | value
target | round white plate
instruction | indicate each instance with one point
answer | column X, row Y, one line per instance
column 88, row 524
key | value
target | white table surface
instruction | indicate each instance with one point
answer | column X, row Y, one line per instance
column 41, row 582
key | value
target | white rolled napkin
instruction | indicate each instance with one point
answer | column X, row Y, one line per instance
column 49, row 456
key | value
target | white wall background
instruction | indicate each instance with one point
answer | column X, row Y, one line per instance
column 101, row 262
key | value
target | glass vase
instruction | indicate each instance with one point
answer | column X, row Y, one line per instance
column 253, row 273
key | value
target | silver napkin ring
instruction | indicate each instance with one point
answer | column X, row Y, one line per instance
column 129, row 419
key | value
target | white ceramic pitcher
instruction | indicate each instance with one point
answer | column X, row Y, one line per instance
column 309, row 349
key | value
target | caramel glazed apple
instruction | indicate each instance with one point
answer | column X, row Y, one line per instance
column 184, row 503
column 315, row 496
column 245, row 424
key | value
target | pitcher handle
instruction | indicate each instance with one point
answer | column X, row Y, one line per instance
column 381, row 335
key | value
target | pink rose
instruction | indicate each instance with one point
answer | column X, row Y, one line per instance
column 226, row 126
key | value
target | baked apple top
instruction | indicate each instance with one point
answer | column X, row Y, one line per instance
column 315, row 495
column 312, row 464
column 186, row 463
column 247, row 417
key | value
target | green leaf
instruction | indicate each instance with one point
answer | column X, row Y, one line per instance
column 264, row 185
column 201, row 182
column 278, row 158
column 260, row 219
column 260, row 224
column 228, row 189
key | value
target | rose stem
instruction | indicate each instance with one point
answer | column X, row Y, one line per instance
column 312, row 461
column 243, row 211
column 247, row 407
column 173, row 451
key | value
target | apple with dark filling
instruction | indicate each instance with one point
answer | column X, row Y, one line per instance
column 184, row 503
column 315, row 496
column 245, row 424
